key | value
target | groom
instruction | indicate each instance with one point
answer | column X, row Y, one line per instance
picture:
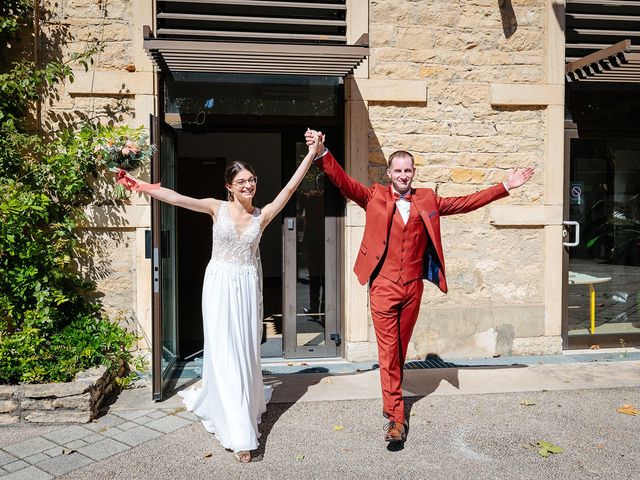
column 401, row 245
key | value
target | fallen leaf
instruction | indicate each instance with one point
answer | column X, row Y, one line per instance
column 628, row 410
column 328, row 380
column 304, row 364
column 412, row 414
column 546, row 448
column 68, row 451
column 594, row 347
column 337, row 428
column 207, row 455
column 527, row 403
column 599, row 445
column 299, row 457
column 290, row 364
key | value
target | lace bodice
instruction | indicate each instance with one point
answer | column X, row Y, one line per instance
column 232, row 248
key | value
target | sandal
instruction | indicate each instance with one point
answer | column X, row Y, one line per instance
column 243, row 456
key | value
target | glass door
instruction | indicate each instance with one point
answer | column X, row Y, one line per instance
column 163, row 240
column 603, row 286
column 310, row 264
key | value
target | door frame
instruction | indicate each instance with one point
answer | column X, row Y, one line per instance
column 573, row 342
column 333, row 254
column 161, row 377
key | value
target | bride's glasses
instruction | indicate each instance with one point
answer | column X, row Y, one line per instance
column 243, row 182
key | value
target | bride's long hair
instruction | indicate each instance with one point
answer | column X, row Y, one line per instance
column 232, row 170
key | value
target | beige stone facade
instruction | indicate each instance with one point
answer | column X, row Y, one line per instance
column 470, row 87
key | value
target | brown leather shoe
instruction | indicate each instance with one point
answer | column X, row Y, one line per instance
column 396, row 432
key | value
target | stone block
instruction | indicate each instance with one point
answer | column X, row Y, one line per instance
column 79, row 402
column 8, row 391
column 551, row 345
column 92, row 375
column 37, row 405
column 8, row 406
column 467, row 175
column 58, row 416
column 46, row 390
column 8, row 419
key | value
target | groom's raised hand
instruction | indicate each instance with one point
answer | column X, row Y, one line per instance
column 518, row 177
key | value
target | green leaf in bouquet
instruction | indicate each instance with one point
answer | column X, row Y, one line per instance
column 120, row 192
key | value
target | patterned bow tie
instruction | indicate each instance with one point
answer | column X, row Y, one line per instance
column 406, row 196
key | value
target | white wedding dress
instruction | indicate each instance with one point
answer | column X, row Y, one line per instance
column 232, row 398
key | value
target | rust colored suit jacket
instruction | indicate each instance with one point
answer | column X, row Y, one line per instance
column 379, row 204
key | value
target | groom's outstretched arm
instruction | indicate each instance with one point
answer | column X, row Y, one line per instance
column 453, row 205
column 348, row 186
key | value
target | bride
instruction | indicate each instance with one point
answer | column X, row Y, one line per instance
column 232, row 397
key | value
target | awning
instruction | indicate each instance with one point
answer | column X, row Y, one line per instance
column 619, row 63
column 187, row 55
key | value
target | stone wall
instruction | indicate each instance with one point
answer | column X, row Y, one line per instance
column 495, row 303
column 68, row 402
column 118, row 88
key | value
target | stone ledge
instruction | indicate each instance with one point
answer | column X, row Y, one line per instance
column 527, row 215
column 68, row 402
column 518, row 94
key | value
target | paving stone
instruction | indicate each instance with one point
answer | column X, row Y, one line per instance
column 187, row 416
column 93, row 438
column 15, row 466
column 144, row 420
column 131, row 414
column 111, row 432
column 157, row 414
column 75, row 445
column 103, row 449
column 37, row 458
column 54, row 452
column 6, row 458
column 168, row 424
column 67, row 434
column 128, row 426
column 137, row 436
column 29, row 447
column 29, row 473
column 64, row 463
column 101, row 423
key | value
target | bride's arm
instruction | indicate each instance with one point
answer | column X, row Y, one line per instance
column 203, row 205
column 270, row 211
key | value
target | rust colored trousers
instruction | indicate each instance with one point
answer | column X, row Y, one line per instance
column 394, row 310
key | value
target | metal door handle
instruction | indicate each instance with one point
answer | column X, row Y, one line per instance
column 576, row 240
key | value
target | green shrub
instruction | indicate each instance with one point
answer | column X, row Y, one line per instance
column 49, row 329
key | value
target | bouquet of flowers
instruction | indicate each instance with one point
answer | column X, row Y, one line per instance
column 122, row 149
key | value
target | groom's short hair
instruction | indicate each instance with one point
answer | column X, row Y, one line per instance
column 400, row 154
